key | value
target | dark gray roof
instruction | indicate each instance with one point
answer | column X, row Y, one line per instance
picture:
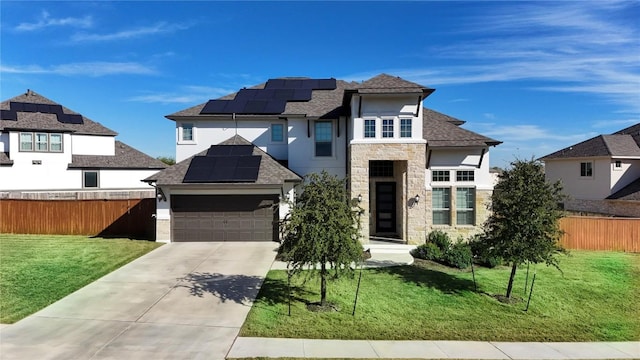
column 387, row 84
column 629, row 192
column 125, row 157
column 622, row 143
column 271, row 172
column 4, row 159
column 444, row 131
column 48, row 122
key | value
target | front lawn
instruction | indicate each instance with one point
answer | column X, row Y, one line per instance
column 595, row 300
column 37, row 270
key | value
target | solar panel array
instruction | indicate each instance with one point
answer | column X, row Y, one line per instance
column 223, row 164
column 14, row 107
column 270, row 100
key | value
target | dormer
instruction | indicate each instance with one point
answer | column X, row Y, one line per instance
column 386, row 109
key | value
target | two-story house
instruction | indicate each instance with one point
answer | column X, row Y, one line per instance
column 241, row 156
column 600, row 175
column 48, row 151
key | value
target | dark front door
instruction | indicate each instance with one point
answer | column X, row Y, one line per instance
column 386, row 207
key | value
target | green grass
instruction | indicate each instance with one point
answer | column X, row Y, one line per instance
column 595, row 300
column 37, row 270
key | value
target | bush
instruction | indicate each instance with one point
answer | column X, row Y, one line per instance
column 459, row 255
column 440, row 239
column 481, row 254
column 428, row 251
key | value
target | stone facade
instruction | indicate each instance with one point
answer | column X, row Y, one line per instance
column 605, row 207
column 163, row 230
column 409, row 176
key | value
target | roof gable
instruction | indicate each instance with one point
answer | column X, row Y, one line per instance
column 125, row 157
column 444, row 131
column 621, row 143
column 385, row 83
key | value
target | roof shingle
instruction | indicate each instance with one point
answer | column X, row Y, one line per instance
column 125, row 157
column 443, row 131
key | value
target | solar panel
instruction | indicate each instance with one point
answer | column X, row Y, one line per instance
column 55, row 109
column 8, row 115
column 214, row 106
column 43, row 108
column 255, row 107
column 240, row 150
column 28, row 107
column 70, row 119
column 199, row 169
column 217, row 169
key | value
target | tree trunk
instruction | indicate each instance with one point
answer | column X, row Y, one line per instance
column 323, row 283
column 513, row 275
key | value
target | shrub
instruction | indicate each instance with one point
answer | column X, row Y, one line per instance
column 428, row 251
column 458, row 255
column 440, row 239
column 481, row 254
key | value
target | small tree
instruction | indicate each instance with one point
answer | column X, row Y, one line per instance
column 167, row 160
column 322, row 230
column 524, row 223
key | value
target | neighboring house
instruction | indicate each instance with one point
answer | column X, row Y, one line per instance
column 600, row 175
column 239, row 157
column 50, row 152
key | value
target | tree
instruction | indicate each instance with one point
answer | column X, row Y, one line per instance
column 322, row 230
column 167, row 160
column 524, row 223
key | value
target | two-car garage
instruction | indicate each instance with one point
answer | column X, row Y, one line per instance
column 224, row 217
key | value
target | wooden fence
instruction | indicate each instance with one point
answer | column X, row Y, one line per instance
column 598, row 233
column 107, row 218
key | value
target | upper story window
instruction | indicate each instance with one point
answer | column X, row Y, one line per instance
column 277, row 133
column 405, row 128
column 369, row 128
column 387, row 128
column 323, row 138
column 465, row 175
column 40, row 142
column 440, row 175
column 187, row 132
column 618, row 164
column 586, row 169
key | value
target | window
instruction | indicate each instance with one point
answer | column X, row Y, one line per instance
column 369, row 128
column 618, row 164
column 55, row 142
column 441, row 202
column 277, row 133
column 324, row 138
column 187, row 132
column 586, row 169
column 405, row 128
column 440, row 175
column 465, row 206
column 90, row 179
column 387, row 128
column 26, row 141
column 465, row 175
column 380, row 168
column 42, row 142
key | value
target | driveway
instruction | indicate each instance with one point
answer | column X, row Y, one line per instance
column 180, row 301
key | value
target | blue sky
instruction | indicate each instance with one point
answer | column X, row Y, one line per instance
column 538, row 76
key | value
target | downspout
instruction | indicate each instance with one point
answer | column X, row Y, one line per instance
column 481, row 157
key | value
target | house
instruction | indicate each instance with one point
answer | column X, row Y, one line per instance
column 241, row 156
column 48, row 151
column 600, row 175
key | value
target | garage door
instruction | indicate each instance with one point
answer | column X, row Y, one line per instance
column 224, row 217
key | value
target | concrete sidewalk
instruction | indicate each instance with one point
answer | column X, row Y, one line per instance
column 301, row 348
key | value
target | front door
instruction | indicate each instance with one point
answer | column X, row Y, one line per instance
column 386, row 207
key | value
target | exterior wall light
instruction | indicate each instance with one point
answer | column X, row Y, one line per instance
column 359, row 198
column 417, row 198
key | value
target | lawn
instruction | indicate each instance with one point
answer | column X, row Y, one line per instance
column 37, row 270
column 596, row 299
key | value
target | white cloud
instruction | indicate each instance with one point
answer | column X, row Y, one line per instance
column 159, row 28
column 93, row 69
column 188, row 94
column 620, row 123
column 489, row 116
column 46, row 21
column 516, row 133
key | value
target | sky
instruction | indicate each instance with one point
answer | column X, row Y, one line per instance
column 538, row 76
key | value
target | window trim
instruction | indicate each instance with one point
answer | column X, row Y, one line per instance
column 61, row 143
column 435, row 179
column 364, row 130
column 471, row 210
column 315, row 139
column 181, row 139
column 393, row 130
column 410, row 120
column 84, row 179
column 447, row 210
column 460, row 176
column 587, row 170
column 32, row 142
column 36, row 143
column 617, row 165
column 271, row 133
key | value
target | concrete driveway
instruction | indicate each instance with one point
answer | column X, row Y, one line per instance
column 181, row 301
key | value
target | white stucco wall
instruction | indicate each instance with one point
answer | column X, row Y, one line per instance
column 628, row 172
column 385, row 106
column 125, row 179
column 461, row 159
column 596, row 187
column 212, row 132
column 93, row 145
column 302, row 157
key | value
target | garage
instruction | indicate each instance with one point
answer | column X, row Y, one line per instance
column 224, row 217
